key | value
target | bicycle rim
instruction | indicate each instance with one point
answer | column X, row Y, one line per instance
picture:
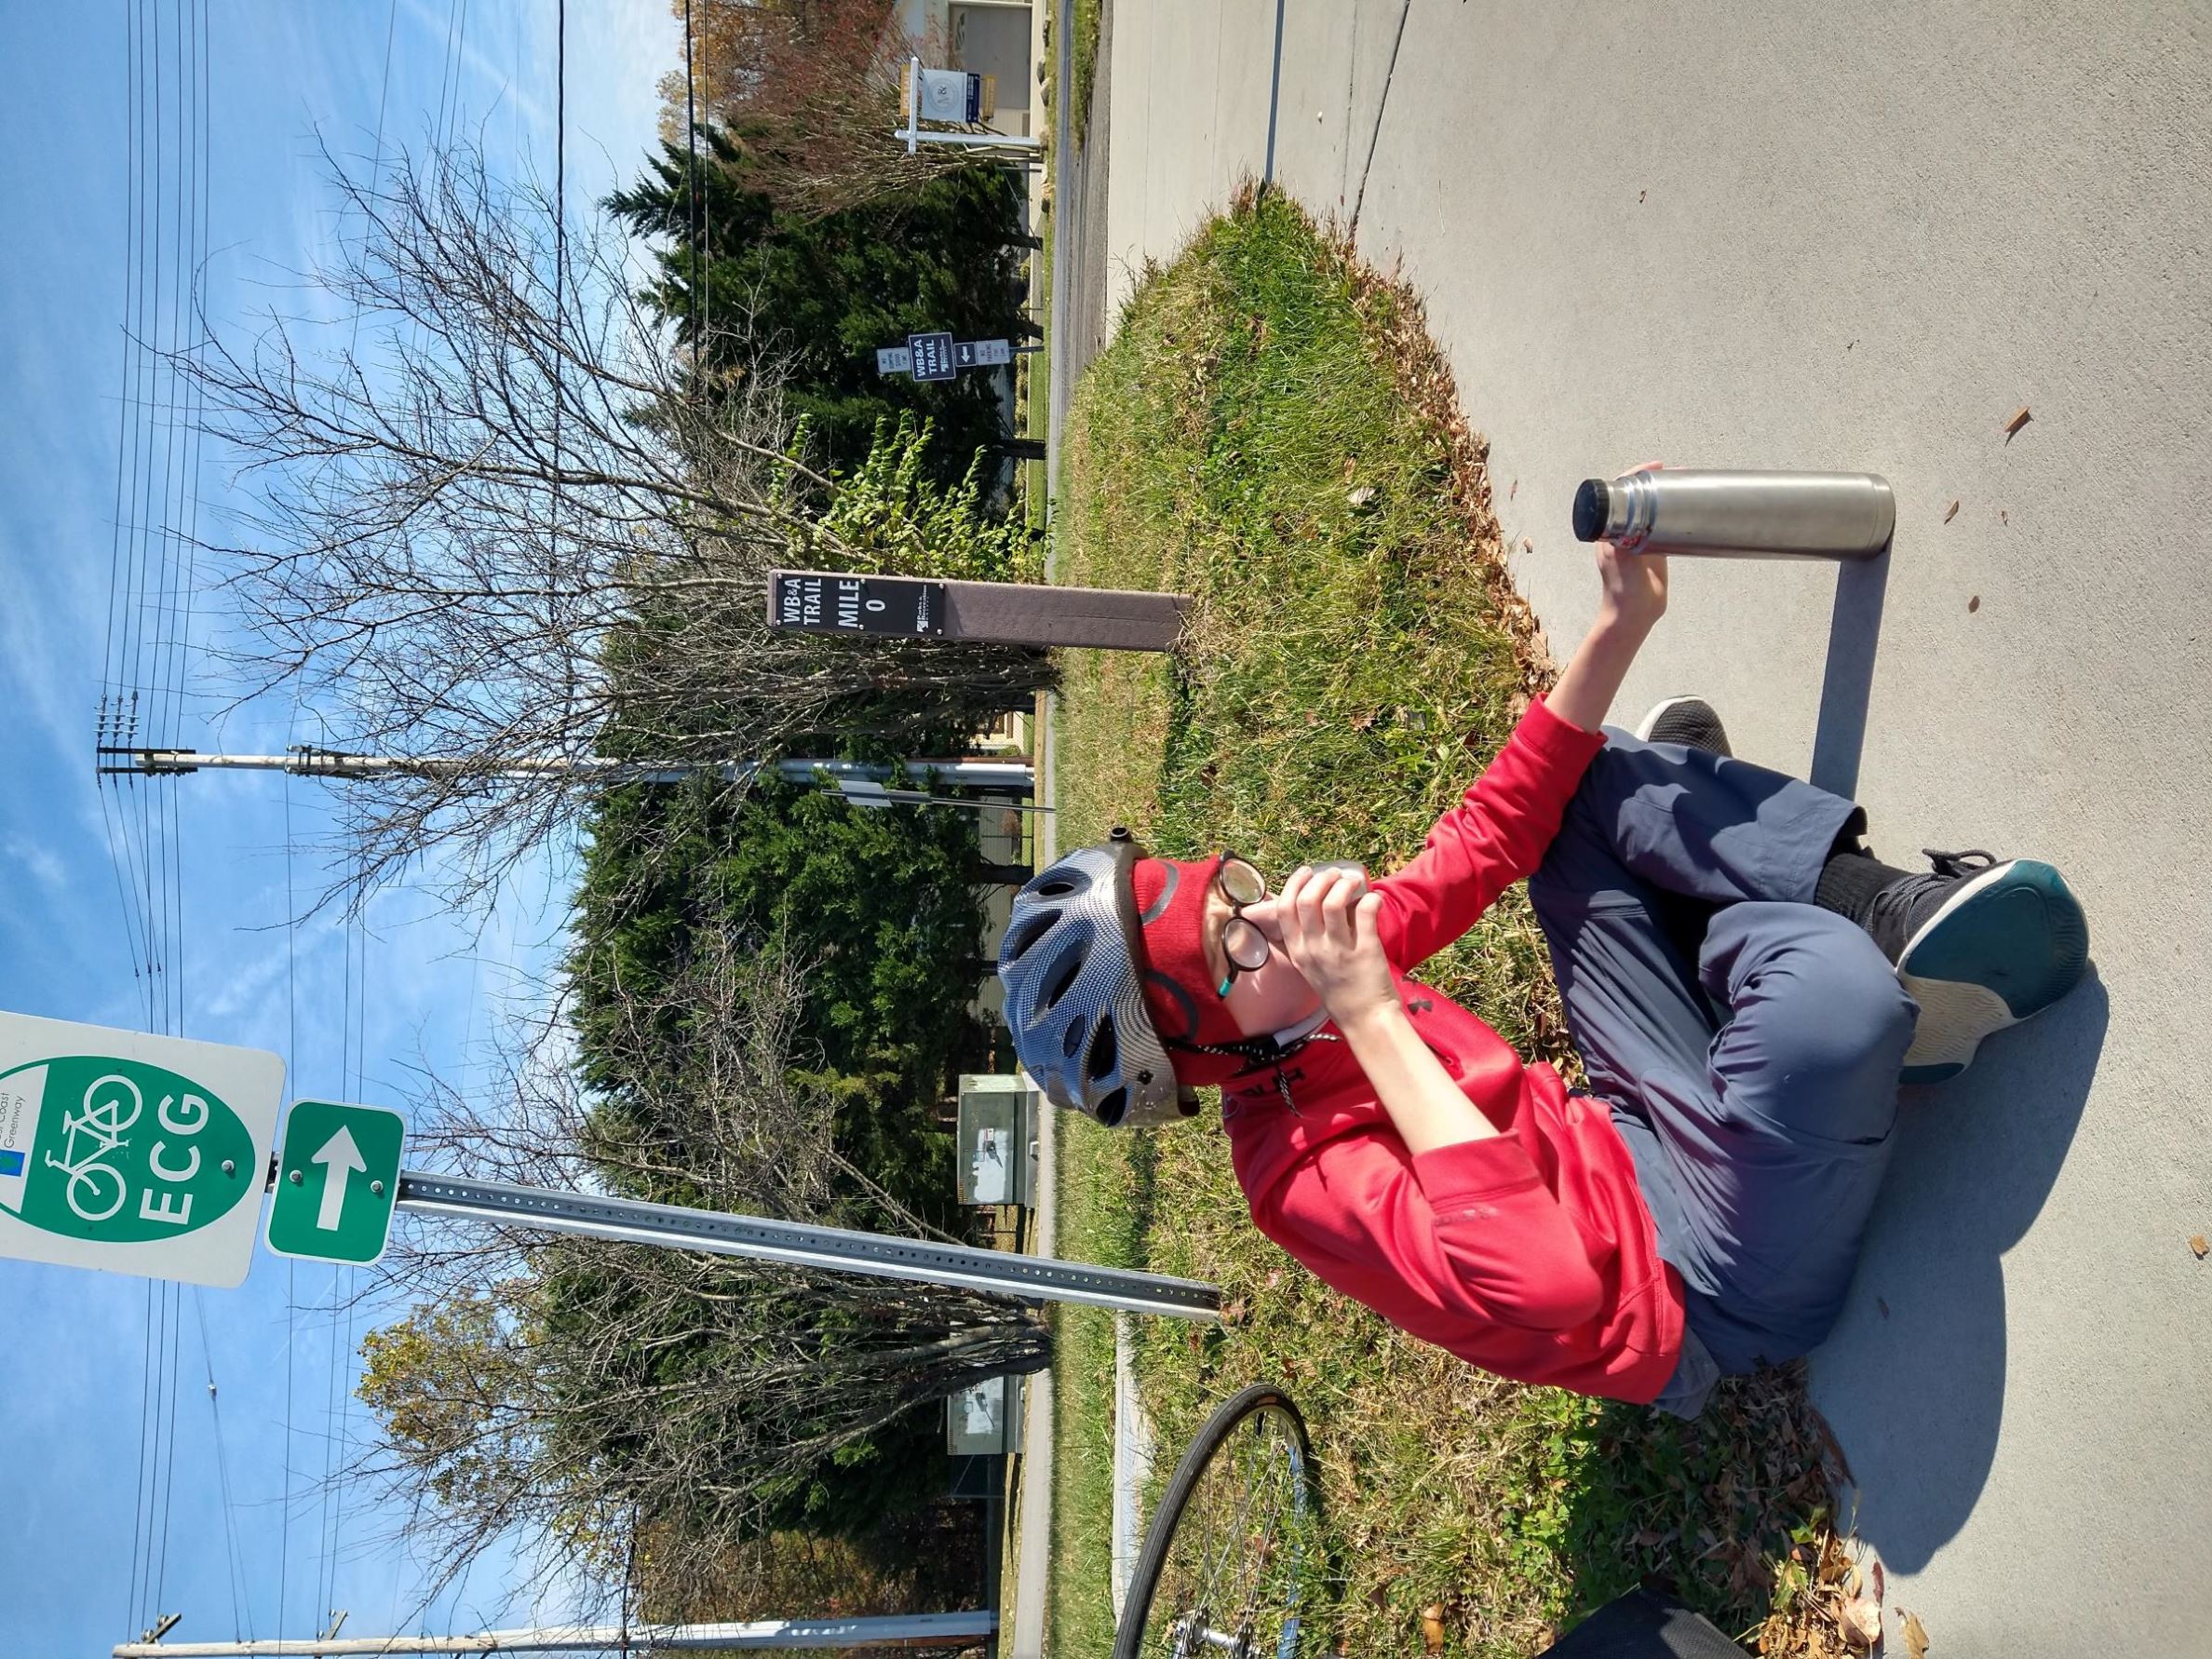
column 1232, row 1550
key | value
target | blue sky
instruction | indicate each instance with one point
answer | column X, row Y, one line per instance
column 73, row 1344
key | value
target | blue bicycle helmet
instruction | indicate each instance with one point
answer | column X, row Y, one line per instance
column 1072, row 964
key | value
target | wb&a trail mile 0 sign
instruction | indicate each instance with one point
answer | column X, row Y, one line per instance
column 131, row 1153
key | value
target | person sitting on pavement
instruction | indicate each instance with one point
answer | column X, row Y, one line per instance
column 1746, row 984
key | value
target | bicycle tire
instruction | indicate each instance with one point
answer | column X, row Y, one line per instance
column 1145, row 1582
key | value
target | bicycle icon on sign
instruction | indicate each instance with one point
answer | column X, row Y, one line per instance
column 101, row 1120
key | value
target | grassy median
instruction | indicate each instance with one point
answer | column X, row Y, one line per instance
column 1273, row 433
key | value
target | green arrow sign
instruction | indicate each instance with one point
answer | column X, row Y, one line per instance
column 132, row 1153
column 336, row 1182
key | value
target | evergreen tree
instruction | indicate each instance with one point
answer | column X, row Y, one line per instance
column 819, row 295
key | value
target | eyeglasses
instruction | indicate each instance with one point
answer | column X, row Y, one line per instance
column 1246, row 947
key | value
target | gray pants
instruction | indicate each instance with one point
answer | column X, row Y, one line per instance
column 1747, row 1042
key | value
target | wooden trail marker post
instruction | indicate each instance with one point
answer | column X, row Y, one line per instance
column 1003, row 612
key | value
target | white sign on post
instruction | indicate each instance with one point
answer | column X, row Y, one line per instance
column 132, row 1153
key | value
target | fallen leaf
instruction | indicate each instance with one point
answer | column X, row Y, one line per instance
column 2197, row 1243
column 1527, row 546
column 1233, row 1312
column 1950, row 512
column 1431, row 1626
column 1861, row 1619
column 2020, row 418
column 1361, row 497
column 2004, row 516
column 1361, row 723
column 1973, row 604
column 1351, row 466
column 1916, row 1634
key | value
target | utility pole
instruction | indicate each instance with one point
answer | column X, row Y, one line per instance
column 861, row 782
column 904, row 1630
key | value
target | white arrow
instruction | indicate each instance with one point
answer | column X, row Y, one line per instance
column 339, row 1159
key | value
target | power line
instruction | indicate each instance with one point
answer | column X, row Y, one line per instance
column 241, row 1609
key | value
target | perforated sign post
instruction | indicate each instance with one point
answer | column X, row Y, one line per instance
column 132, row 1153
column 336, row 1182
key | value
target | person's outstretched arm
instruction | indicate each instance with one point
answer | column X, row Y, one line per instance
column 1634, row 598
column 1500, row 832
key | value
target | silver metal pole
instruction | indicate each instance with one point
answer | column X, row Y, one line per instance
column 838, row 1249
column 309, row 762
column 908, row 1630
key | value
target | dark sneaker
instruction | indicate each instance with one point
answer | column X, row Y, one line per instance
column 1687, row 721
column 1980, row 945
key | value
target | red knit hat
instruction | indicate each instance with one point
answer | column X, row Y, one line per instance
column 1179, row 989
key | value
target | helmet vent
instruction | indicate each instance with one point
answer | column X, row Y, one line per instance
column 1111, row 1107
column 1026, row 932
column 1061, row 975
column 1105, row 1051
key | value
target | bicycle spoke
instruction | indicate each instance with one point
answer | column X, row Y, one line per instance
column 1229, row 1574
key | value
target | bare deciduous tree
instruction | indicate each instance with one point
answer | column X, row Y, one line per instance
column 600, row 1398
column 504, row 519
column 807, row 93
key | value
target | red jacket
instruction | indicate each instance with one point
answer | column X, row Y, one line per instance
column 1531, row 1254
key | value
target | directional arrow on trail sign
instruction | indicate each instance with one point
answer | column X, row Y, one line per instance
column 336, row 1182
column 342, row 1159
column 132, row 1153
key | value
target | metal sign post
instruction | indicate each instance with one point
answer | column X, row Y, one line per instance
column 148, row 1156
column 838, row 1249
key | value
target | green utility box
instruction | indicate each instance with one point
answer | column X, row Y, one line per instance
column 995, row 1128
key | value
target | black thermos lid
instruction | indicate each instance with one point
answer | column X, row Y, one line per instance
column 1592, row 502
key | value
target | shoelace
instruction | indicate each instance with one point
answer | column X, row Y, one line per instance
column 1958, row 864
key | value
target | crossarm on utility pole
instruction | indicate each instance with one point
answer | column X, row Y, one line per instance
column 838, row 1249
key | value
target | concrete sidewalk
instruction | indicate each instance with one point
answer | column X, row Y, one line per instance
column 1860, row 238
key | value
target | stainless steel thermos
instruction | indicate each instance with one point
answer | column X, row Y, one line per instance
column 1739, row 515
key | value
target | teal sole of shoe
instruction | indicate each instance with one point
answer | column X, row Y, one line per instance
column 2007, row 946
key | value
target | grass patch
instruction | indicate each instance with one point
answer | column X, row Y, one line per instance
column 1273, row 433
column 1082, row 51
column 1103, row 1210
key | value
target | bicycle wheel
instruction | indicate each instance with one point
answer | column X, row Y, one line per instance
column 1225, row 1565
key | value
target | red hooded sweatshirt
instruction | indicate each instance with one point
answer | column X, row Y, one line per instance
column 1531, row 1254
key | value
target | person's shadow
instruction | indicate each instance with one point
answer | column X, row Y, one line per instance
column 1913, row 1378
